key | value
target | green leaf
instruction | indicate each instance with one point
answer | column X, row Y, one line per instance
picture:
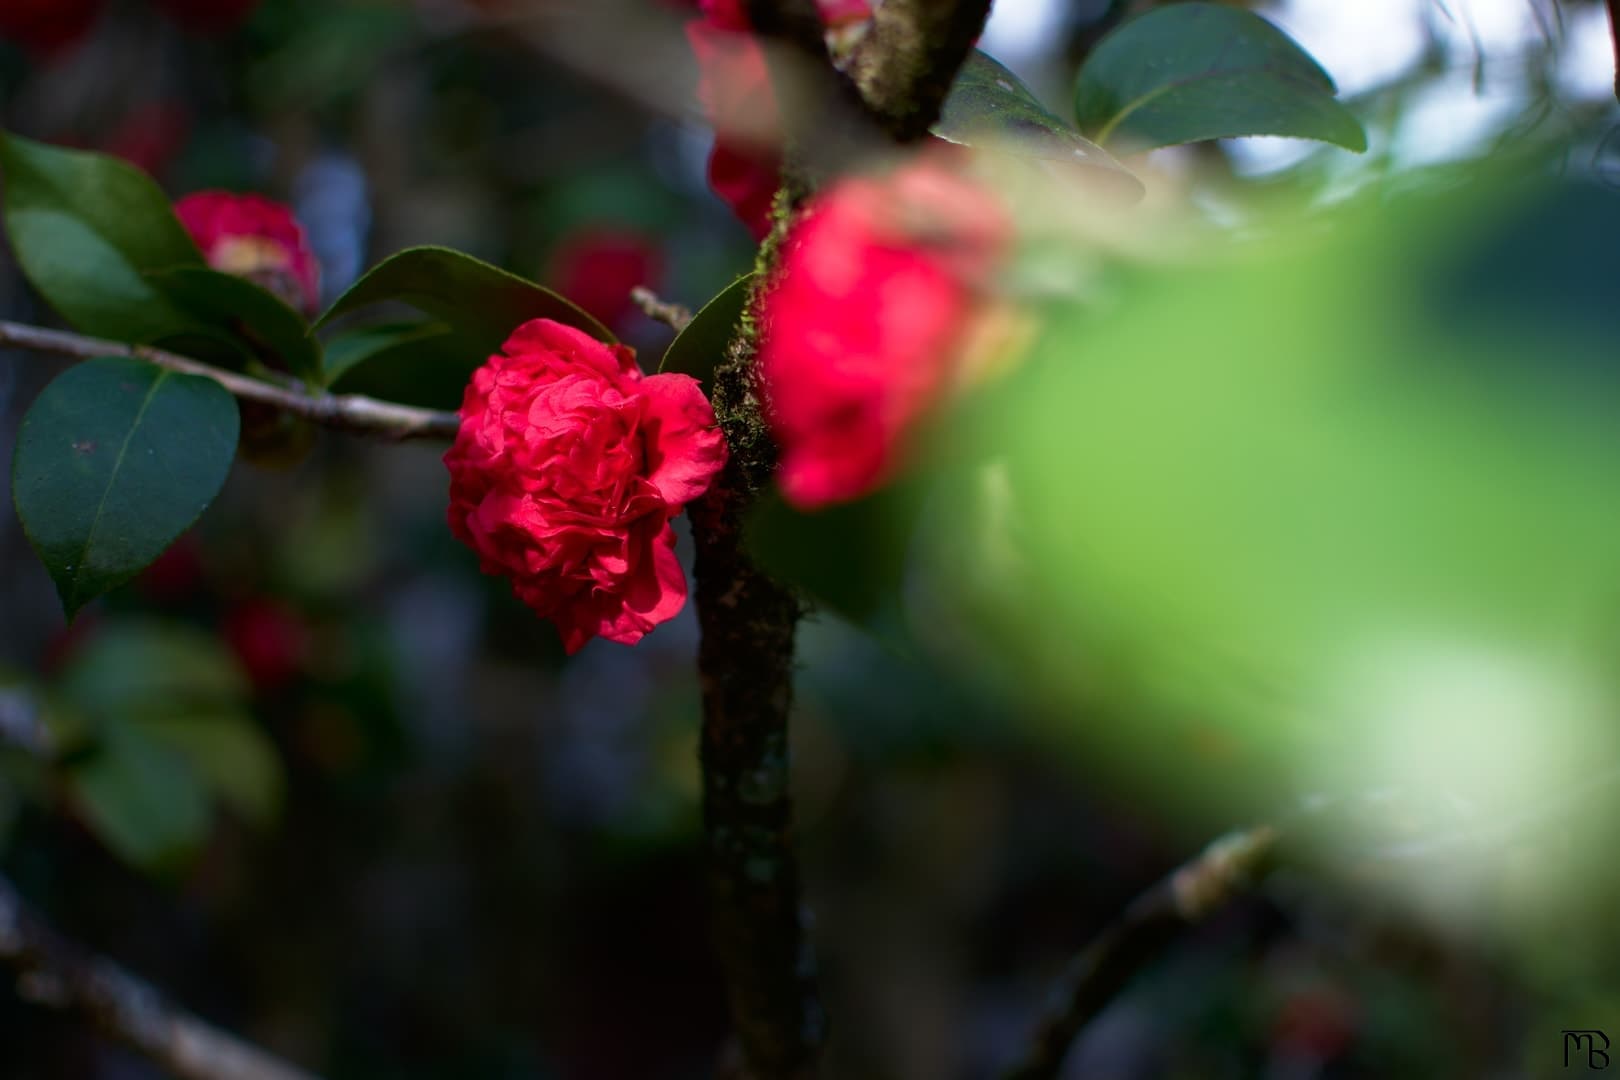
column 482, row 303
column 989, row 106
column 1189, row 72
column 141, row 799
column 414, row 363
column 184, row 691
column 247, row 312
column 230, row 754
column 699, row 347
column 116, row 459
column 86, row 228
column 134, row 666
column 851, row 558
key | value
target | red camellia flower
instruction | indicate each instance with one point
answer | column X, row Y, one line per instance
column 734, row 87
column 864, row 326
column 569, row 466
column 47, row 25
column 255, row 238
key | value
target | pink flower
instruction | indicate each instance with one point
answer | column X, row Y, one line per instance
column 569, row 466
column 864, row 325
column 735, row 89
column 255, row 238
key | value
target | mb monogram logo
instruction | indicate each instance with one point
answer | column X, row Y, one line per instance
column 1586, row 1045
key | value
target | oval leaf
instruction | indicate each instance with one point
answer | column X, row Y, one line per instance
column 989, row 106
column 699, row 347
column 482, row 303
column 1196, row 71
column 86, row 227
column 115, row 459
column 247, row 312
column 414, row 363
column 142, row 799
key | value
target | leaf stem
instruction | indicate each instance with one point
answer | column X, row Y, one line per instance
column 344, row 412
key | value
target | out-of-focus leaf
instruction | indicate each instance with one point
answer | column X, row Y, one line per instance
column 115, row 459
column 1194, row 71
column 137, row 666
column 230, row 754
column 482, row 303
column 989, row 106
column 86, row 228
column 243, row 309
column 142, row 799
column 1289, row 498
column 701, row 345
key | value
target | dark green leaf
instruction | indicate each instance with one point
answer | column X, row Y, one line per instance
column 246, row 311
column 989, row 106
column 1189, row 72
column 414, row 363
column 851, row 558
column 142, row 799
column 86, row 227
column 483, row 304
column 698, row 347
column 115, row 459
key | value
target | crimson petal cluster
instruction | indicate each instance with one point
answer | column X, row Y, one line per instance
column 567, row 471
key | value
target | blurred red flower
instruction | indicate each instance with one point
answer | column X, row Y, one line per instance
column 569, row 466
column 734, row 87
column 255, row 238
column 596, row 268
column 864, row 326
column 47, row 25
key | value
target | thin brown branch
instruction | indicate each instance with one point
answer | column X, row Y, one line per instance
column 674, row 316
column 905, row 65
column 1189, row 895
column 57, row 973
column 344, row 412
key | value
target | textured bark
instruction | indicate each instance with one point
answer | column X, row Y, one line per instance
column 909, row 58
column 745, row 663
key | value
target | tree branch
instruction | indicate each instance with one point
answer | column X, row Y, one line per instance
column 54, row 972
column 1188, row 896
column 1614, row 33
column 672, row 315
column 905, row 65
column 344, row 412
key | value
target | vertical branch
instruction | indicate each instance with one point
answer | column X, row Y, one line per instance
column 1614, row 33
column 748, row 621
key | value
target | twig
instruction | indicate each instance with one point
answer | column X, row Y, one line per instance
column 54, row 972
column 344, row 412
column 674, row 316
column 1189, row 895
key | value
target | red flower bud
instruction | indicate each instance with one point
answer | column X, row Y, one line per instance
column 255, row 238
column 865, row 323
column 569, row 466
column 597, row 267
